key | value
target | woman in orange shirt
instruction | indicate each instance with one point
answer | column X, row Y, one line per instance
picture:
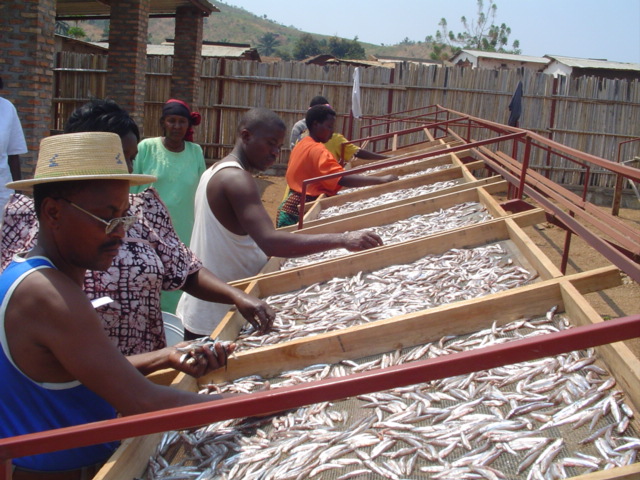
column 309, row 159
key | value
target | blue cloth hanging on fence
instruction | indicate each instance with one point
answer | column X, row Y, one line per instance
column 515, row 106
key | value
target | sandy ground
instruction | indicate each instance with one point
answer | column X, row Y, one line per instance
column 612, row 303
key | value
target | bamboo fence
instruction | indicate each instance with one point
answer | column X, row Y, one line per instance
column 594, row 115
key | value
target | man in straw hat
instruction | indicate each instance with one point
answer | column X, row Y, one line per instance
column 58, row 366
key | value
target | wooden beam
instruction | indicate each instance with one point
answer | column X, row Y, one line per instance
column 417, row 328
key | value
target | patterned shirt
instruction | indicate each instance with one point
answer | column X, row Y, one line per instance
column 151, row 259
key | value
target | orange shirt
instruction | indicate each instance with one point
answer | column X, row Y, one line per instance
column 310, row 159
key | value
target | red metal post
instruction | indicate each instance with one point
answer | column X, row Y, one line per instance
column 525, row 166
column 552, row 122
column 617, row 193
column 6, row 469
column 390, row 103
column 565, row 250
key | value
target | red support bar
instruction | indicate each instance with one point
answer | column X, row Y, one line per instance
column 267, row 402
column 565, row 251
column 525, row 167
column 617, row 193
column 611, row 252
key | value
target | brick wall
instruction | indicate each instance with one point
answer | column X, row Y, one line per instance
column 187, row 57
column 128, row 55
column 27, row 72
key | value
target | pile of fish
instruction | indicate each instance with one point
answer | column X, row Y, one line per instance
column 461, row 215
column 400, row 177
column 384, row 198
column 552, row 418
column 458, row 274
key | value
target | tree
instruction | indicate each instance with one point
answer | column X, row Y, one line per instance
column 76, row 32
column 480, row 34
column 63, row 28
column 306, row 46
column 341, row 48
column 267, row 44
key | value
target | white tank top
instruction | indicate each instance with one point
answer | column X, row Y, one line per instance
column 229, row 256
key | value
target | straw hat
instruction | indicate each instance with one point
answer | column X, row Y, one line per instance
column 81, row 156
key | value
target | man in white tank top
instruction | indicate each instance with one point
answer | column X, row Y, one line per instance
column 233, row 234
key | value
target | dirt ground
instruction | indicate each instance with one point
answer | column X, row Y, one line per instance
column 612, row 303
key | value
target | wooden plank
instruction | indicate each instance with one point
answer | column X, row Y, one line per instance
column 409, row 168
column 467, row 168
column 538, row 259
column 490, row 203
column 630, row 472
column 368, row 260
column 411, row 150
column 618, row 357
column 453, row 173
column 412, row 329
column 272, row 268
column 369, row 217
column 131, row 458
column 311, row 219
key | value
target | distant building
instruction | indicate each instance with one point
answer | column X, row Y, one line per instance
column 498, row 61
column 64, row 43
column 237, row 51
column 388, row 59
column 328, row 59
column 579, row 67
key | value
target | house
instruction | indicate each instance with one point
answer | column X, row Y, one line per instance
column 236, row 51
column 498, row 61
column 579, row 67
column 388, row 59
column 328, row 59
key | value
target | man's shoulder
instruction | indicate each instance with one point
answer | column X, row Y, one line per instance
column 38, row 275
column 7, row 106
column 302, row 123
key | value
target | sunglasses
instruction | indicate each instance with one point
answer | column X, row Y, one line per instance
column 112, row 224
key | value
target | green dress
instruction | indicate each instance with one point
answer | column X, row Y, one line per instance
column 178, row 176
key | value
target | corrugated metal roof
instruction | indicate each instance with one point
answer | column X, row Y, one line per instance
column 506, row 56
column 593, row 63
column 207, row 50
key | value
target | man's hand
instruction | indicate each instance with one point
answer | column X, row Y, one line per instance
column 201, row 356
column 358, row 241
column 257, row 312
column 388, row 178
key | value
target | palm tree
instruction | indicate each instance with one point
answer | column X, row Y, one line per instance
column 267, row 44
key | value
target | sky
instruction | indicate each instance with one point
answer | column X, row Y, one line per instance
column 599, row 29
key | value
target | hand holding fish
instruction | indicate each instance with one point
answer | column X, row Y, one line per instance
column 361, row 240
column 201, row 356
column 257, row 312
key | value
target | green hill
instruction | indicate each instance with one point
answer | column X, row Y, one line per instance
column 237, row 25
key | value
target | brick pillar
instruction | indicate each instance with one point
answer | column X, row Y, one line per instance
column 126, row 80
column 26, row 66
column 187, row 56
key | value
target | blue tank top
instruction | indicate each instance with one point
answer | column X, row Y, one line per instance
column 27, row 406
